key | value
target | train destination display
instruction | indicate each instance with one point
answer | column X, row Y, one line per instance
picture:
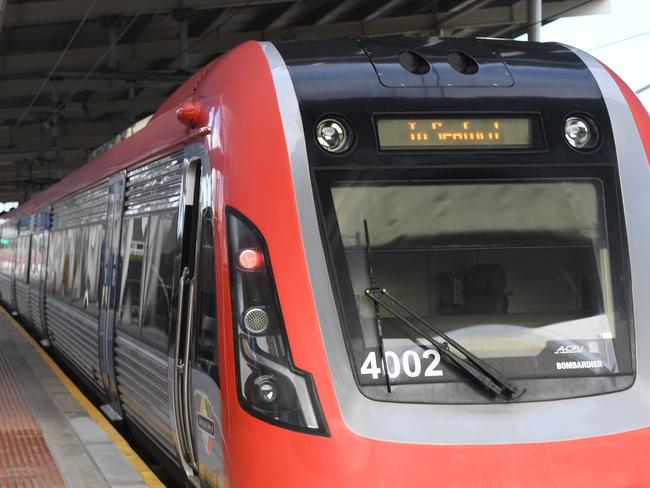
column 451, row 132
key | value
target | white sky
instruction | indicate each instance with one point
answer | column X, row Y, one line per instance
column 620, row 39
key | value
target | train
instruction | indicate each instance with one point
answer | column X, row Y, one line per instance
column 362, row 262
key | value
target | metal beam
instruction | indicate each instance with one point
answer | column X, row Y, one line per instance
column 87, row 142
column 3, row 9
column 343, row 9
column 127, row 76
column 507, row 17
column 214, row 44
column 142, row 105
column 111, row 24
column 297, row 11
column 183, row 17
column 68, row 153
column 387, row 8
column 20, row 92
column 218, row 42
column 37, row 12
column 461, row 10
column 219, row 20
column 104, row 128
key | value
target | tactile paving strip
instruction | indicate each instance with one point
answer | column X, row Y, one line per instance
column 25, row 460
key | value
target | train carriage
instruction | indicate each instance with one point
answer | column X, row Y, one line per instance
column 362, row 262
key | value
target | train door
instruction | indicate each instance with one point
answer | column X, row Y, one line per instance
column 197, row 401
column 108, row 305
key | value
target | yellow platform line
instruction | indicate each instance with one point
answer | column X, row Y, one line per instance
column 148, row 476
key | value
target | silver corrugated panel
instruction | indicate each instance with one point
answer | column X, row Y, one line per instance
column 5, row 288
column 35, row 308
column 143, row 387
column 155, row 186
column 22, row 300
column 74, row 335
column 87, row 207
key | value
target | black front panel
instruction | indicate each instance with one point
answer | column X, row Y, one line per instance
column 516, row 250
column 337, row 77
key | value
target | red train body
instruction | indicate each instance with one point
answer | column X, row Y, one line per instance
column 260, row 106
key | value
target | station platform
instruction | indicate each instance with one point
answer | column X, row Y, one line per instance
column 50, row 433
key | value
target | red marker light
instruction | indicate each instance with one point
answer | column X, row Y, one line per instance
column 250, row 259
column 191, row 114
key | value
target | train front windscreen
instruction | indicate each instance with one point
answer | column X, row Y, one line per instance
column 523, row 273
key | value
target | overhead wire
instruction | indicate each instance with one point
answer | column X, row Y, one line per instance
column 608, row 44
column 227, row 19
column 550, row 18
column 618, row 41
column 525, row 26
column 54, row 67
column 642, row 89
column 211, row 31
column 201, row 38
column 221, row 24
column 556, row 15
column 101, row 58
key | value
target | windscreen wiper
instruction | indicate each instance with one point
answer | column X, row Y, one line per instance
column 380, row 334
column 481, row 372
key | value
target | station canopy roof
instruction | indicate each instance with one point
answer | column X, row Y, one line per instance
column 76, row 73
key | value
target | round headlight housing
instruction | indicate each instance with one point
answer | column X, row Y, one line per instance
column 581, row 133
column 333, row 135
column 266, row 388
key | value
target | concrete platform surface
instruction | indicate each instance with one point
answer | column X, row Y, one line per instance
column 50, row 434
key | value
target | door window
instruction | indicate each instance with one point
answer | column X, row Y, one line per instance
column 206, row 352
column 148, row 252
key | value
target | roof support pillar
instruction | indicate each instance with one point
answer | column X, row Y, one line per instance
column 534, row 12
column 131, row 104
column 56, row 129
column 111, row 24
column 183, row 17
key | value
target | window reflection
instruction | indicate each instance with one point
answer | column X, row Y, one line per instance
column 36, row 260
column 159, row 277
column 207, row 357
column 55, row 264
column 147, row 275
column 74, row 263
column 511, row 269
column 22, row 258
column 133, row 245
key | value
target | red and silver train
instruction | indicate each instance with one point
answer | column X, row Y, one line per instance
column 363, row 262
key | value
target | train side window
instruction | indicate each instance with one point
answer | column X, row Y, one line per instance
column 91, row 279
column 205, row 346
column 55, row 263
column 85, row 279
column 4, row 242
column 36, row 259
column 69, row 252
column 79, row 236
column 22, row 258
column 133, row 246
column 9, row 252
column 158, row 283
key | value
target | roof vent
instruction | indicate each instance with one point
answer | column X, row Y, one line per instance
column 414, row 62
column 461, row 62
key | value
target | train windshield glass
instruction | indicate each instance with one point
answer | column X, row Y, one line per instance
column 518, row 272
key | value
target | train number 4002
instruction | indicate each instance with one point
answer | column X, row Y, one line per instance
column 410, row 363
